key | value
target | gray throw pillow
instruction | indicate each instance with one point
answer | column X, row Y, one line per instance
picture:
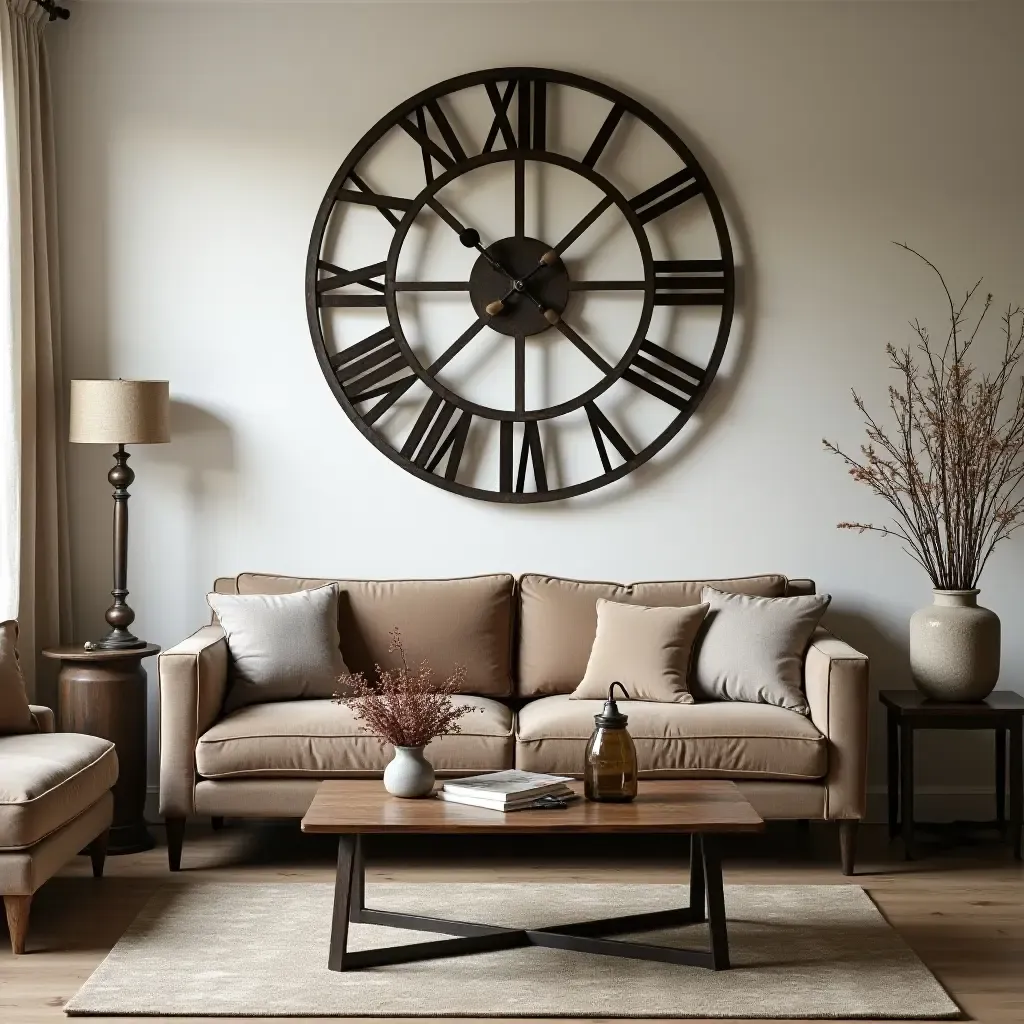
column 752, row 648
column 283, row 646
column 15, row 716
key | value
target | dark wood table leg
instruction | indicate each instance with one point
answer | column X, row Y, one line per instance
column 348, row 856
column 907, row 787
column 1001, row 779
column 698, row 897
column 1016, row 784
column 893, row 771
column 716, row 903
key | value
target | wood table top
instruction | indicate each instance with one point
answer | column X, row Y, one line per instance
column 998, row 701
column 363, row 806
column 79, row 652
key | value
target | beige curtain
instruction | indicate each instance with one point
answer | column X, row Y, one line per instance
column 35, row 566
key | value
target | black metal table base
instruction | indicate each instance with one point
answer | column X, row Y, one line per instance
column 707, row 904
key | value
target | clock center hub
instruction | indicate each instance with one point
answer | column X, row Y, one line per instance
column 533, row 290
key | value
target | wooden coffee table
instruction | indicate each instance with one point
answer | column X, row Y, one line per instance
column 702, row 809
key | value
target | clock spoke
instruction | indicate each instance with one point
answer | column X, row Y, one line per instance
column 520, row 197
column 584, row 346
column 457, row 345
column 366, row 196
column 520, row 373
column 431, row 286
column 582, row 225
column 607, row 286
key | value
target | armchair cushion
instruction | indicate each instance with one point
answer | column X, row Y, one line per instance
column 46, row 779
column 15, row 716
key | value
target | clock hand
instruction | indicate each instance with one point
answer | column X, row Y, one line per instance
column 469, row 237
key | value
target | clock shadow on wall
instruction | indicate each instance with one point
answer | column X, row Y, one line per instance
column 520, row 285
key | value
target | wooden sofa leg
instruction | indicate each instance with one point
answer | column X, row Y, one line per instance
column 17, row 908
column 848, row 844
column 98, row 852
column 175, row 838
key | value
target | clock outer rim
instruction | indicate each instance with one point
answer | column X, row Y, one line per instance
column 630, row 105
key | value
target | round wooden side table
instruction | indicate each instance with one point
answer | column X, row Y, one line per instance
column 103, row 693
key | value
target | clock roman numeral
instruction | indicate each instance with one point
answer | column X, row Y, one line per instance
column 530, row 454
column 448, row 154
column 682, row 377
column 501, row 124
column 602, row 429
column 427, row 443
column 363, row 195
column 340, row 278
column 362, row 366
column 531, row 115
column 689, row 282
column 666, row 195
column 603, row 135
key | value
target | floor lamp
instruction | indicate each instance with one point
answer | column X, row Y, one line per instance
column 120, row 412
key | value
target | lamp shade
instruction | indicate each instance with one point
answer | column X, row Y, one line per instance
column 120, row 412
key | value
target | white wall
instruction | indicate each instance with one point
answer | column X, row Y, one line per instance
column 195, row 143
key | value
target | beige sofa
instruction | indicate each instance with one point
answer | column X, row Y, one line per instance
column 524, row 644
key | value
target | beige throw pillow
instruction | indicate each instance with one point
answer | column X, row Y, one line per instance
column 646, row 649
column 15, row 716
column 752, row 648
column 283, row 646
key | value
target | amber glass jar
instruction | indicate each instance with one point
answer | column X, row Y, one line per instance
column 610, row 768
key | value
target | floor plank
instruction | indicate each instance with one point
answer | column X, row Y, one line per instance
column 961, row 909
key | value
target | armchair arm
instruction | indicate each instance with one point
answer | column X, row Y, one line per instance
column 43, row 717
column 836, row 683
column 193, row 680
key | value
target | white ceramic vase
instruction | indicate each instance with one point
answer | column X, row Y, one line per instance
column 409, row 773
column 954, row 647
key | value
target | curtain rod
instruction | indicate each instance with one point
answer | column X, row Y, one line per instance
column 54, row 10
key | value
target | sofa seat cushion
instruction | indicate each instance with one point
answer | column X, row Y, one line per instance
column 719, row 739
column 48, row 778
column 302, row 738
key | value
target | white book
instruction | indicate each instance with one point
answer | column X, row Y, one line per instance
column 507, row 785
column 518, row 805
column 499, row 803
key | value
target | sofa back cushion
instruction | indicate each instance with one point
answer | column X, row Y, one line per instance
column 454, row 622
column 558, row 620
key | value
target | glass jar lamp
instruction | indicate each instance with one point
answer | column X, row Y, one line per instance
column 610, row 768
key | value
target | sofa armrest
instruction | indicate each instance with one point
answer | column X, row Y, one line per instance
column 193, row 680
column 836, row 683
column 43, row 717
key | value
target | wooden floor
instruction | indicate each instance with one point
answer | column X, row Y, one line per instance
column 961, row 909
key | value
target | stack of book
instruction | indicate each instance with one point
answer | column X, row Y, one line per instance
column 505, row 791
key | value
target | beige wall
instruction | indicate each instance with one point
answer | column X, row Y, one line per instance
column 195, row 143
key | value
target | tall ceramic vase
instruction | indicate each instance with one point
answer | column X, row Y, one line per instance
column 954, row 647
column 409, row 774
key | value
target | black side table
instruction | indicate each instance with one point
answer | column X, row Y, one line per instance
column 909, row 710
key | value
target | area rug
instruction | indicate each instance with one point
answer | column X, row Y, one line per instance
column 261, row 950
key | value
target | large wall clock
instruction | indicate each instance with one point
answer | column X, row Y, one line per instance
column 520, row 284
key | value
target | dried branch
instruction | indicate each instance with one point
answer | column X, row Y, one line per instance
column 952, row 465
column 402, row 706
